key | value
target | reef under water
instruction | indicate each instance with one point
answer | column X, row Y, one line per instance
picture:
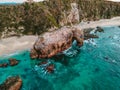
column 95, row 66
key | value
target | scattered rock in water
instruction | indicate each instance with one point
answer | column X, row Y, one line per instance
column 87, row 34
column 119, row 26
column 13, row 62
column 12, row 83
column 50, row 68
column 99, row 29
column 4, row 65
column 42, row 63
column 88, row 30
column 110, row 37
column 97, row 70
column 106, row 58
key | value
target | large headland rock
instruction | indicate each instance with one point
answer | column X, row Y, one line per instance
column 52, row 43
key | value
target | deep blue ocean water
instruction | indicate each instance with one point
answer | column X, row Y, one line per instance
column 95, row 66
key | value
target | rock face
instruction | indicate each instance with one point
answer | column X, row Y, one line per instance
column 51, row 43
column 73, row 17
column 12, row 83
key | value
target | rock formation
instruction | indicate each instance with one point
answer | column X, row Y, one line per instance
column 12, row 83
column 52, row 43
column 88, row 35
column 3, row 65
column 50, row 68
column 73, row 17
column 13, row 62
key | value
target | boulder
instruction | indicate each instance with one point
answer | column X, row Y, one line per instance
column 88, row 36
column 4, row 65
column 50, row 68
column 12, row 83
column 99, row 29
column 52, row 43
column 13, row 62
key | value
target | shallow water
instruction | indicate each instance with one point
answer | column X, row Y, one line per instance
column 95, row 66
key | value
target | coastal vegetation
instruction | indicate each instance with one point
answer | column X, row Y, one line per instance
column 38, row 17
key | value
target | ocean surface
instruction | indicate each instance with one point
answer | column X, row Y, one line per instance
column 95, row 66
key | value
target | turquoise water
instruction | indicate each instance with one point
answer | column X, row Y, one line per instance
column 95, row 66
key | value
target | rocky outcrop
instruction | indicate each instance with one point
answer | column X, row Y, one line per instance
column 4, row 65
column 13, row 62
column 52, row 43
column 50, row 68
column 99, row 29
column 12, row 83
column 88, row 35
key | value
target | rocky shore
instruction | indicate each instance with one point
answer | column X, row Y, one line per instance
column 52, row 43
column 12, row 83
column 13, row 44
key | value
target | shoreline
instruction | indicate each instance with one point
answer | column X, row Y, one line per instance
column 115, row 21
column 15, row 44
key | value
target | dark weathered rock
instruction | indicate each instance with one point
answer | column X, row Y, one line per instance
column 99, row 29
column 13, row 62
column 4, row 65
column 50, row 68
column 119, row 26
column 12, row 83
column 51, row 43
column 42, row 63
column 87, row 34
column 88, row 30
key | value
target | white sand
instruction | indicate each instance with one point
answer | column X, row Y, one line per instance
column 13, row 44
column 103, row 22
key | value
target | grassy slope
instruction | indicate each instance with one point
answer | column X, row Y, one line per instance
column 39, row 17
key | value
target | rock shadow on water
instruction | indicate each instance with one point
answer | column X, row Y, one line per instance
column 61, row 58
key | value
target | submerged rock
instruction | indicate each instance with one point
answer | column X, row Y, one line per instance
column 12, row 83
column 4, row 65
column 50, row 68
column 13, row 62
column 52, row 43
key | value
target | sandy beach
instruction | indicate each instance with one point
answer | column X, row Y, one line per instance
column 13, row 44
column 103, row 22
